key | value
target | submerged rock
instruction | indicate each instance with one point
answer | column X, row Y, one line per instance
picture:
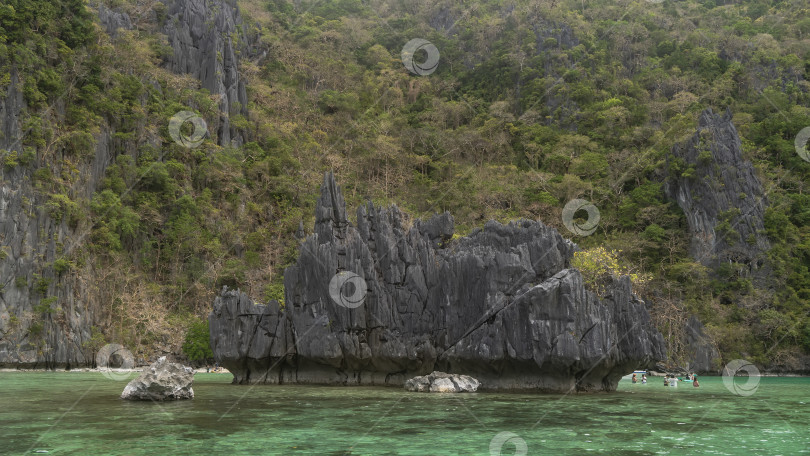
column 161, row 381
column 379, row 304
column 440, row 382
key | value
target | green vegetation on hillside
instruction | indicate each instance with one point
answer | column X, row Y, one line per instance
column 533, row 103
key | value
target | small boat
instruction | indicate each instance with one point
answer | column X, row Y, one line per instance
column 640, row 372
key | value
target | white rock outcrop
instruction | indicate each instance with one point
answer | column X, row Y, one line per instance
column 162, row 381
column 440, row 382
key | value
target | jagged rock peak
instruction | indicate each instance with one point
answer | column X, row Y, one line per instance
column 720, row 194
column 708, row 119
column 203, row 36
column 300, row 233
column 379, row 303
column 330, row 210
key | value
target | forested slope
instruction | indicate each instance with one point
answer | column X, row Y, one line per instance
column 113, row 232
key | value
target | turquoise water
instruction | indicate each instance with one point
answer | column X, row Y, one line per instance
column 80, row 413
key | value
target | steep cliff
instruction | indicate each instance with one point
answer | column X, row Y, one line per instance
column 721, row 196
column 47, row 312
column 500, row 305
column 43, row 316
column 700, row 348
column 204, row 36
column 724, row 204
column 113, row 20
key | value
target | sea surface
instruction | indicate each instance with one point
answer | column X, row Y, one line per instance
column 80, row 413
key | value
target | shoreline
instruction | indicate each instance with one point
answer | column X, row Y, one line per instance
column 225, row 371
column 95, row 369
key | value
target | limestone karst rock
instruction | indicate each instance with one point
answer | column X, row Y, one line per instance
column 204, row 37
column 721, row 196
column 724, row 203
column 162, row 381
column 207, row 38
column 441, row 382
column 501, row 305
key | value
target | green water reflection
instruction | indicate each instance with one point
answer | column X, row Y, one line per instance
column 80, row 413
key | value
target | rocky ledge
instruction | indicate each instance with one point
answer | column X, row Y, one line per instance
column 440, row 382
column 161, row 381
column 377, row 303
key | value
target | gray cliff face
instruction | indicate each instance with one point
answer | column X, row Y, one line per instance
column 703, row 354
column 113, row 20
column 500, row 305
column 32, row 237
column 31, row 240
column 724, row 205
column 11, row 106
column 204, row 35
column 721, row 197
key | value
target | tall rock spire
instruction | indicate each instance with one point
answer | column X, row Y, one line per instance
column 330, row 211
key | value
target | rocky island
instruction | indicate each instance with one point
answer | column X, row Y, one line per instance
column 501, row 305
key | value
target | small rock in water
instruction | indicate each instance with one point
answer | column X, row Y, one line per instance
column 440, row 382
column 161, row 381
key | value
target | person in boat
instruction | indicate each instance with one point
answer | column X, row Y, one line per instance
column 635, row 380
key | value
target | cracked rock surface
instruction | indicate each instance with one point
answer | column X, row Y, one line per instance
column 501, row 305
column 440, row 382
column 161, row 381
column 721, row 197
